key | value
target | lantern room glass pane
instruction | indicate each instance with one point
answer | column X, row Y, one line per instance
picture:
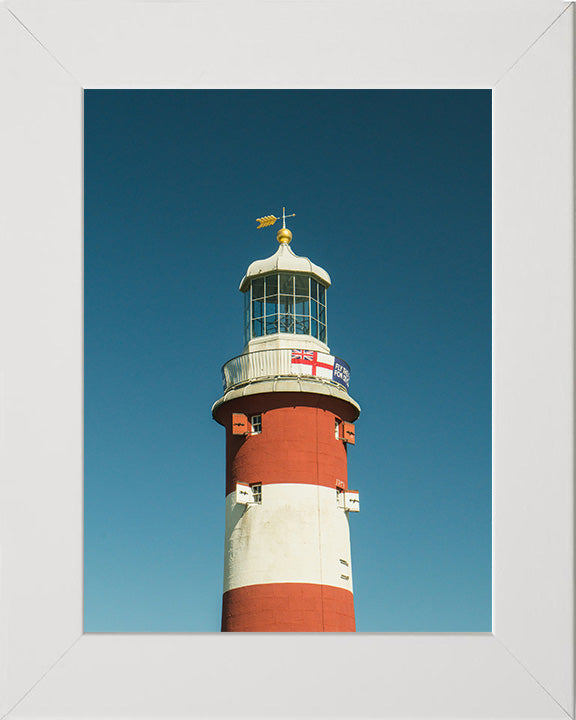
column 314, row 328
column 257, row 308
column 287, row 284
column 286, row 303
column 258, row 288
column 313, row 289
column 322, row 313
column 286, row 323
column 322, row 333
column 272, row 285
column 302, row 324
column 272, row 305
column 301, row 305
column 321, row 294
column 301, row 285
column 257, row 327
column 246, row 317
column 271, row 324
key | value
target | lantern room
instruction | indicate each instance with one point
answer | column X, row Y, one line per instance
column 285, row 303
column 285, row 299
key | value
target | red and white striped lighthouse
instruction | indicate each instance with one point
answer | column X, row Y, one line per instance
column 289, row 421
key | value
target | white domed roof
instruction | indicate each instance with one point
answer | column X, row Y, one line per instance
column 284, row 260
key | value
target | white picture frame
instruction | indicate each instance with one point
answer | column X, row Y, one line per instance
column 51, row 50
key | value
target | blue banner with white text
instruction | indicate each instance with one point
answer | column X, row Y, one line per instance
column 341, row 372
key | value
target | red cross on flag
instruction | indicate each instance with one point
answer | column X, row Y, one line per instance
column 313, row 363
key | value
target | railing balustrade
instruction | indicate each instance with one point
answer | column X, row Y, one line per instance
column 285, row 362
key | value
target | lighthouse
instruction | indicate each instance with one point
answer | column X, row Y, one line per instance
column 289, row 422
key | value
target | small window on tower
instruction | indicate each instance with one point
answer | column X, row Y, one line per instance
column 337, row 429
column 257, row 492
column 256, row 421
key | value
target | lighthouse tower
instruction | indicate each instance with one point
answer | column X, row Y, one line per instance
column 289, row 423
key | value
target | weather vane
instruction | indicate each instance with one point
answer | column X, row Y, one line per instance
column 268, row 220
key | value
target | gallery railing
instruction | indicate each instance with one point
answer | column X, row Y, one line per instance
column 285, row 362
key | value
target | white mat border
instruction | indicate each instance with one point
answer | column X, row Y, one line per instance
column 54, row 49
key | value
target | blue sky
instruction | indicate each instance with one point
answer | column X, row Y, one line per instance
column 392, row 195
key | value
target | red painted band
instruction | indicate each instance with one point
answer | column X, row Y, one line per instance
column 297, row 443
column 288, row 607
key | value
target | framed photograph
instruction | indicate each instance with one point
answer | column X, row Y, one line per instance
column 394, row 217
column 53, row 51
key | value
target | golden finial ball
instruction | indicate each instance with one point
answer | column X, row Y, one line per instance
column 283, row 235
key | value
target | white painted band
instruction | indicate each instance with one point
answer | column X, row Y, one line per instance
column 297, row 534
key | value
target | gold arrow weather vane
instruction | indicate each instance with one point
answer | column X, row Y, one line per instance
column 268, row 220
